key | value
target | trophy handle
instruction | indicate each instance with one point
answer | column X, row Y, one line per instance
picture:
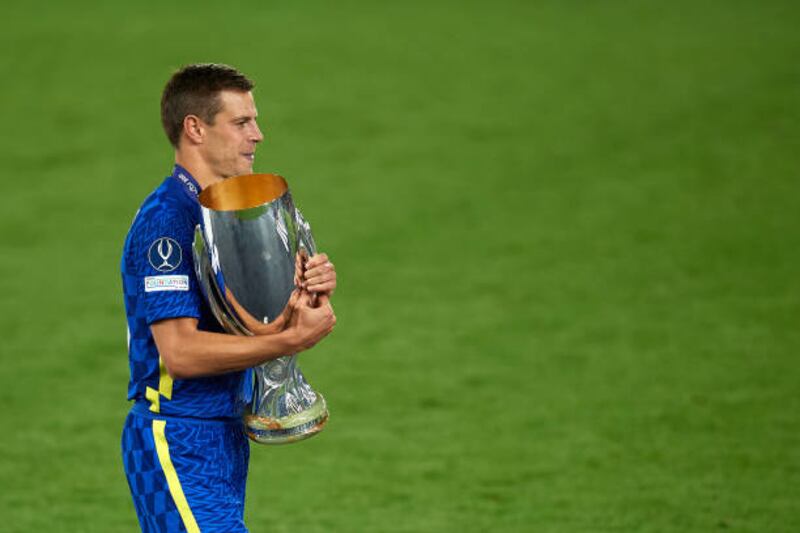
column 209, row 284
column 304, row 237
column 224, row 305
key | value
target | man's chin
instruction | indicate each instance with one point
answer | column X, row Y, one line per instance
column 241, row 171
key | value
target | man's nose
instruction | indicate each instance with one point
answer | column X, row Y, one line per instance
column 256, row 134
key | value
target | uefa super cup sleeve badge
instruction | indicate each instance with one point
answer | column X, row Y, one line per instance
column 248, row 252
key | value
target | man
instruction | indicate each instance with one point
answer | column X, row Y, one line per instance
column 184, row 447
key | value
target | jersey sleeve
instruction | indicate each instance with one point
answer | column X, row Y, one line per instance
column 162, row 253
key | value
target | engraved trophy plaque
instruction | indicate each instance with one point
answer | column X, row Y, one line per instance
column 248, row 252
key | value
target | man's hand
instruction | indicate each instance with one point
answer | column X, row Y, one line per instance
column 319, row 275
column 312, row 320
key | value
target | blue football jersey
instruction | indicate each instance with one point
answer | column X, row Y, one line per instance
column 159, row 283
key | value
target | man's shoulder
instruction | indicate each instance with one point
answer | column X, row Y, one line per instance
column 163, row 214
column 166, row 205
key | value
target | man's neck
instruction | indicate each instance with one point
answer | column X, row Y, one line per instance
column 197, row 168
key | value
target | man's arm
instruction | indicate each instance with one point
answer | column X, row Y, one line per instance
column 190, row 353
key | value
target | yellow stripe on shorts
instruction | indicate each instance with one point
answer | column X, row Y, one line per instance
column 175, row 489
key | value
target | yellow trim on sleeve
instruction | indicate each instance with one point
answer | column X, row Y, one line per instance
column 152, row 396
column 175, row 489
column 164, row 380
column 164, row 388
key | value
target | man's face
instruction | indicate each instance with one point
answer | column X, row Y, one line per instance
column 230, row 143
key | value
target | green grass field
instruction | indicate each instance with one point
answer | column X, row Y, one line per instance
column 567, row 235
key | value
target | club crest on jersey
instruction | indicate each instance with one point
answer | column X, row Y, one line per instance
column 165, row 254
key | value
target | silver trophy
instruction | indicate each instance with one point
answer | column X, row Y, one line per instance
column 249, row 253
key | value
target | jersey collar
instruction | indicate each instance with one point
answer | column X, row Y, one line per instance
column 187, row 181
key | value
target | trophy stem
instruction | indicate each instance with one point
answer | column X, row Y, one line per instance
column 285, row 408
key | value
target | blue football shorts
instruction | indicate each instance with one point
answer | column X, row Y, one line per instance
column 185, row 474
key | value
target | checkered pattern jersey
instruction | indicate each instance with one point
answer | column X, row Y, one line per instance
column 170, row 213
column 183, row 445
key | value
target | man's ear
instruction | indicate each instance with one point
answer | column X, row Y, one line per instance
column 194, row 129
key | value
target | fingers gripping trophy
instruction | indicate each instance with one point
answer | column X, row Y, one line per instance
column 250, row 253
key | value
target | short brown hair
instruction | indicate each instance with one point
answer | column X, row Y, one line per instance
column 194, row 90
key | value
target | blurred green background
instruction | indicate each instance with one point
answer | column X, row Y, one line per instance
column 567, row 235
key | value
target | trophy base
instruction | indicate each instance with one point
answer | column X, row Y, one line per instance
column 290, row 428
